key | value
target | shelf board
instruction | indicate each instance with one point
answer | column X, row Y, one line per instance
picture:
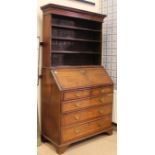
column 74, row 52
column 75, row 28
column 75, row 39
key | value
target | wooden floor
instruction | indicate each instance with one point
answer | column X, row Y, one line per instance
column 98, row 145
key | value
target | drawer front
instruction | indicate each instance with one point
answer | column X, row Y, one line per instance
column 77, row 131
column 76, row 105
column 76, row 94
column 85, row 115
column 85, row 93
column 102, row 90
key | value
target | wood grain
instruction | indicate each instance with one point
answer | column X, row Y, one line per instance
column 77, row 131
column 85, row 115
column 76, row 91
column 86, row 103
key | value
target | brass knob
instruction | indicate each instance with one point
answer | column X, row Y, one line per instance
column 77, row 104
column 76, row 117
column 82, row 71
column 102, row 100
column 102, row 90
column 77, row 131
column 101, row 111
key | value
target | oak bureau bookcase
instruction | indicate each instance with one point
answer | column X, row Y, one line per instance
column 76, row 91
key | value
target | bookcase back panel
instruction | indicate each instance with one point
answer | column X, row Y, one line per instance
column 77, row 34
column 64, row 45
column 75, row 59
column 68, row 21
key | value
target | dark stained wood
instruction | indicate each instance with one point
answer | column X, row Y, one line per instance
column 46, row 60
column 72, row 12
column 74, row 39
column 76, row 91
column 64, row 29
column 75, row 28
column 43, row 139
column 74, row 52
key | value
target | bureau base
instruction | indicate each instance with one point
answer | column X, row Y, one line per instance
column 60, row 149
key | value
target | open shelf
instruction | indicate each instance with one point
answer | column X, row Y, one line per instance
column 75, row 23
column 75, row 39
column 74, row 59
column 75, row 52
column 67, row 45
column 75, row 28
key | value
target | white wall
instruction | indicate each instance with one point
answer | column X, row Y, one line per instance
column 114, row 114
column 109, row 56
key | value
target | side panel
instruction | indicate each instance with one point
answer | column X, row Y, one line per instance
column 46, row 56
column 50, row 108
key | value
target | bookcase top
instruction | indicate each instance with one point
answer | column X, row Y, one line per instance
column 53, row 8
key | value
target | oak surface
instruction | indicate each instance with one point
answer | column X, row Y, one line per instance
column 76, row 91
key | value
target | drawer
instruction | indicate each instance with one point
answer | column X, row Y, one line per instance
column 77, row 131
column 76, row 94
column 87, row 114
column 101, row 90
column 76, row 105
column 85, row 93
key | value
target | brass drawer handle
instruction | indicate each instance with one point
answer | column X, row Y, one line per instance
column 77, row 104
column 102, row 100
column 101, row 111
column 82, row 71
column 102, row 90
column 76, row 117
column 77, row 131
column 77, row 94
